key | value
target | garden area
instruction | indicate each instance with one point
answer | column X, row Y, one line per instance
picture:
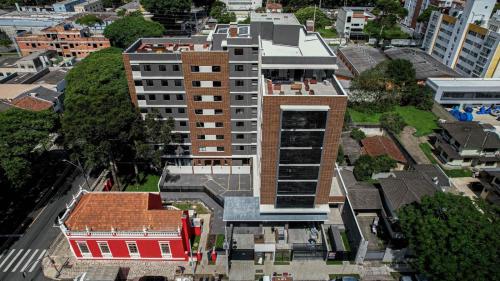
column 146, row 183
column 189, row 205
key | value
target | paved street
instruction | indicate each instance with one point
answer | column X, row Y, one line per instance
column 25, row 254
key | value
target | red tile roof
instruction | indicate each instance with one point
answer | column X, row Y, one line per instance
column 123, row 211
column 32, row 103
column 274, row 6
column 381, row 145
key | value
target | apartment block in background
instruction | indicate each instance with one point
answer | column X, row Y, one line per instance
column 351, row 21
column 259, row 98
column 66, row 5
column 463, row 42
column 66, row 40
column 91, row 6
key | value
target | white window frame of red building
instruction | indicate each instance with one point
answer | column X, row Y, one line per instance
column 85, row 255
column 164, row 255
column 133, row 255
column 104, row 255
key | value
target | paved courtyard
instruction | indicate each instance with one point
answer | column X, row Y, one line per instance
column 219, row 184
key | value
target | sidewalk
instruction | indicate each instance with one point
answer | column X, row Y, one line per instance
column 203, row 268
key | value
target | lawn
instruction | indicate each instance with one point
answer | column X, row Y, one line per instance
column 219, row 241
column 196, row 243
column 452, row 173
column 424, row 121
column 148, row 183
column 328, row 33
column 198, row 207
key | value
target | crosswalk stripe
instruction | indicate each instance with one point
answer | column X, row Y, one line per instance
column 12, row 261
column 37, row 260
column 29, row 260
column 7, row 257
column 21, row 260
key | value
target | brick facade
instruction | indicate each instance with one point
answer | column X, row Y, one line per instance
column 130, row 79
column 271, row 113
column 208, row 59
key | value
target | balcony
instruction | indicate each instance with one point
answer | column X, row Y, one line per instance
column 308, row 87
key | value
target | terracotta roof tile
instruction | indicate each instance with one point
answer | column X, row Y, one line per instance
column 31, row 103
column 124, row 211
column 381, row 145
column 274, row 6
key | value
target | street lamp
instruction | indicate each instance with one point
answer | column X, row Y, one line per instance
column 79, row 166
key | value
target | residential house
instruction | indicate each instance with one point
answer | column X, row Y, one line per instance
column 382, row 145
column 124, row 225
column 351, row 21
column 32, row 97
column 490, row 179
column 468, row 144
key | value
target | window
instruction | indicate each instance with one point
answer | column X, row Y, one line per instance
column 135, row 67
column 183, row 123
column 152, row 97
column 195, row 68
column 240, row 124
column 219, row 124
column 219, row 137
column 165, row 250
column 240, row 136
column 197, row 98
column 84, row 249
column 255, row 67
column 238, row 67
column 162, row 67
column 147, row 67
column 141, row 97
column 166, row 97
column 218, row 111
column 132, row 249
column 181, row 110
column 164, row 82
column 217, row 98
column 105, row 251
column 254, row 82
column 239, row 83
column 238, row 52
column 138, row 82
column 179, row 97
column 239, row 111
column 196, row 83
column 200, row 124
column 168, row 110
column 216, row 68
column 220, row 148
column 143, row 110
column 198, row 111
column 175, row 67
column 255, row 50
column 201, row 137
column 217, row 84
column 239, row 97
column 149, row 83
column 178, row 83
column 240, row 148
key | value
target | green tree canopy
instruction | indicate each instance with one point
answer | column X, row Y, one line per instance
column 357, row 134
column 219, row 12
column 426, row 14
column 125, row 31
column 453, row 238
column 307, row 13
column 89, row 20
column 385, row 25
column 393, row 122
column 98, row 113
column 401, row 72
column 366, row 165
column 23, row 134
column 164, row 7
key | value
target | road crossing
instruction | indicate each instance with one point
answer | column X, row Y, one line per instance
column 21, row 260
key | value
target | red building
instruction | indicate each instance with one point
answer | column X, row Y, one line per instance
column 125, row 225
column 66, row 40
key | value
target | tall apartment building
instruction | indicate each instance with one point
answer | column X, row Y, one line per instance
column 351, row 21
column 66, row 40
column 463, row 42
column 66, row 5
column 91, row 6
column 263, row 94
column 414, row 8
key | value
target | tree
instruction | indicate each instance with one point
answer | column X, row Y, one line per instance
column 164, row 7
column 426, row 14
column 357, row 134
column 422, row 97
column 388, row 12
column 23, row 135
column 4, row 39
column 393, row 122
column 89, row 20
column 366, row 165
column 98, row 112
column 219, row 12
column 245, row 21
column 125, row 31
column 307, row 13
column 453, row 238
column 401, row 71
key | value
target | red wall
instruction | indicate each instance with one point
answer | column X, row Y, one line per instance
column 148, row 248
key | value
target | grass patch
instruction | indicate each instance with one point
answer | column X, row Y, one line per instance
column 334, row 262
column 328, row 33
column 196, row 243
column 148, row 183
column 424, row 121
column 345, row 241
column 333, row 276
column 452, row 173
column 281, row 263
column 198, row 207
column 219, row 241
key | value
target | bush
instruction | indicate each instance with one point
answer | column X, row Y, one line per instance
column 366, row 166
column 307, row 13
column 393, row 122
column 357, row 134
